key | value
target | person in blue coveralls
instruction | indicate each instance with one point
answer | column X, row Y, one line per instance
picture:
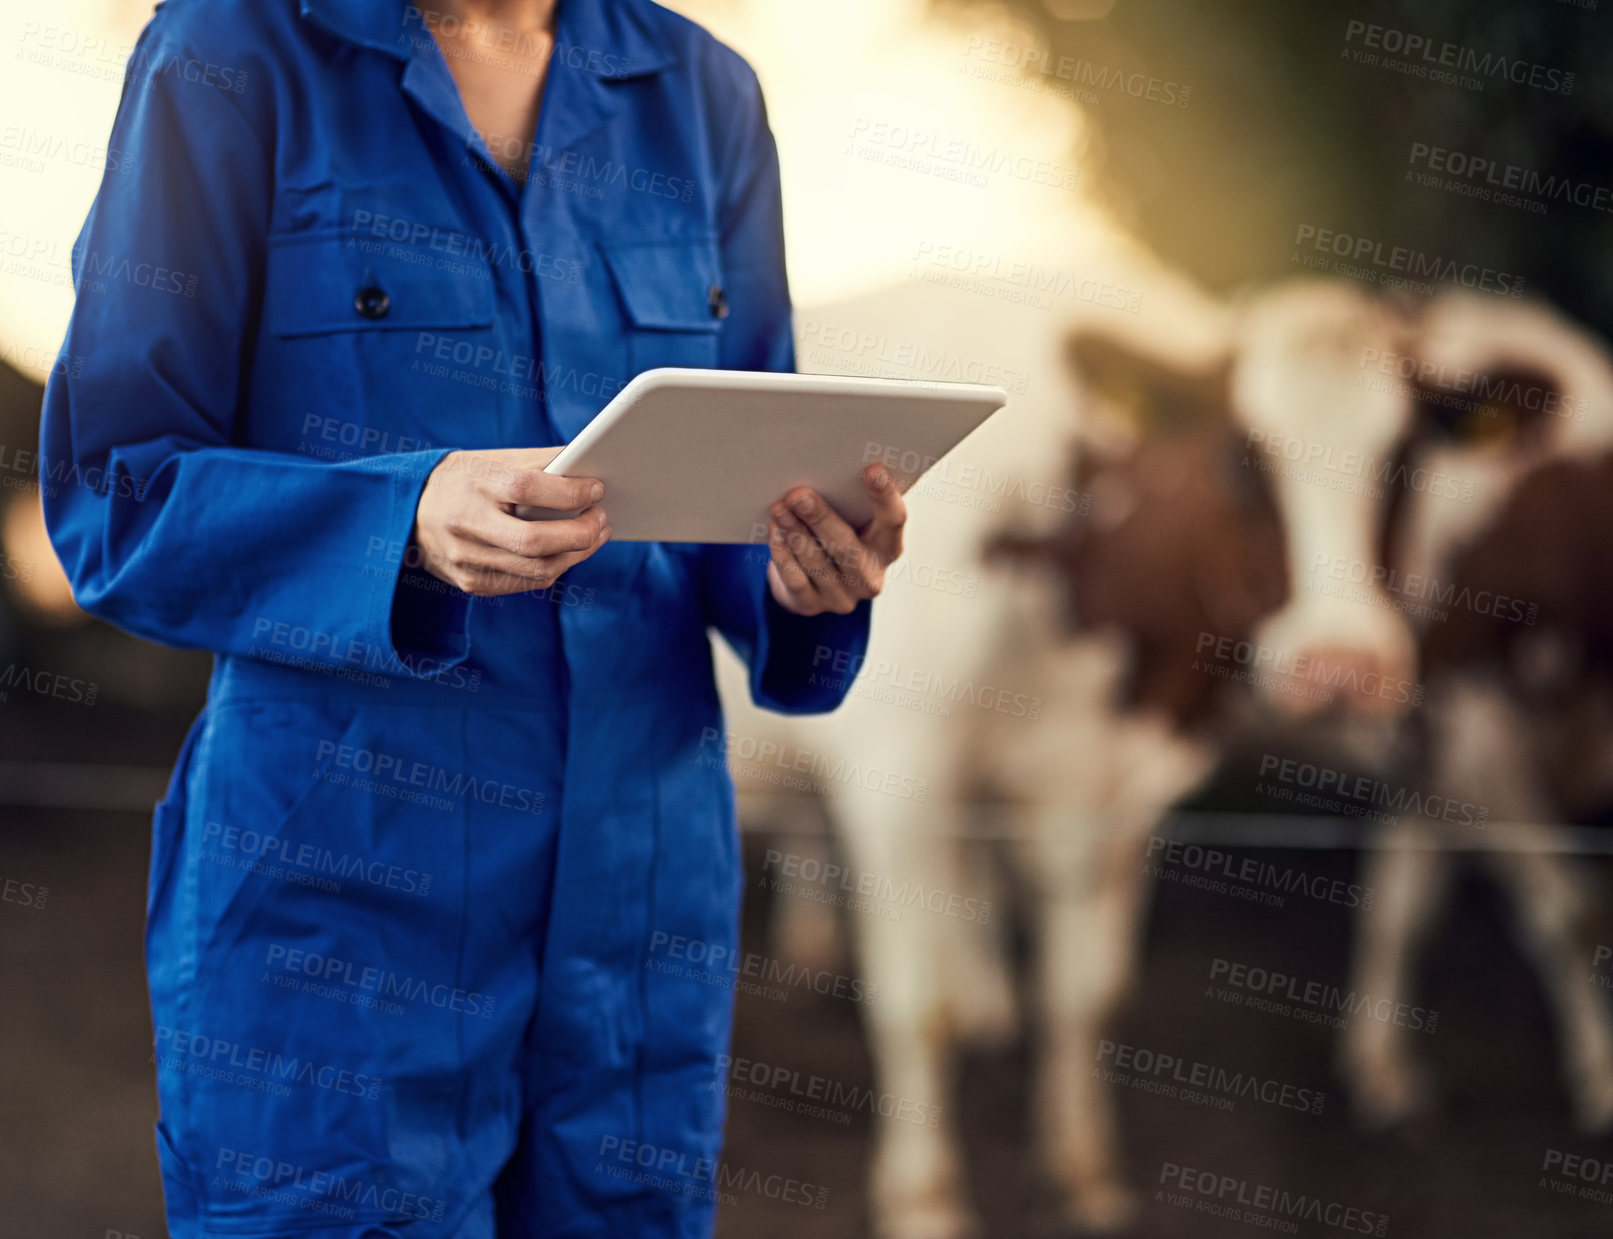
column 357, row 263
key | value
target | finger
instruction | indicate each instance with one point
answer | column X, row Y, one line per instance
column 808, row 552
column 528, row 486
column 496, row 573
column 802, row 601
column 811, row 509
column 827, row 525
column 800, row 604
column 488, row 572
column 540, row 539
column 496, row 468
column 491, row 573
column 884, row 531
column 791, row 575
column 823, row 573
column 853, row 569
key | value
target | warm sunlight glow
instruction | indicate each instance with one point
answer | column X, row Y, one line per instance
column 889, row 142
column 63, row 69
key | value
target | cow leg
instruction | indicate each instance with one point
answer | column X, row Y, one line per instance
column 805, row 931
column 1554, row 898
column 1083, row 863
column 1409, row 879
column 1486, row 752
column 979, row 972
column 916, row 1187
column 1087, row 940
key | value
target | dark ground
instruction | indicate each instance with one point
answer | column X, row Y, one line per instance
column 77, row 1101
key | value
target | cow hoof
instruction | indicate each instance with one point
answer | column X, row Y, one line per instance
column 989, row 1019
column 1104, row 1209
column 928, row 1221
column 807, row 936
column 1593, row 1106
column 982, row 1005
column 1387, row 1096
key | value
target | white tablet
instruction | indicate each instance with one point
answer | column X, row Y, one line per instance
column 700, row 455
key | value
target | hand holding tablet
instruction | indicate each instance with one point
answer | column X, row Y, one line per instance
column 817, row 562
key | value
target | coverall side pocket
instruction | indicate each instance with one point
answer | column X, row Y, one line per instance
column 277, row 755
column 179, row 1190
column 241, row 1077
column 326, row 1011
column 168, row 826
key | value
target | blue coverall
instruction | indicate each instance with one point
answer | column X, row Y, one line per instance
column 424, row 859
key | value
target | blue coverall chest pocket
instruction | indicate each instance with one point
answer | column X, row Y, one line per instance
column 331, row 281
column 386, row 339
column 673, row 300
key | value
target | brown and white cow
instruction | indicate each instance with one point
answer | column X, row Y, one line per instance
column 1311, row 496
column 1193, row 524
column 939, row 978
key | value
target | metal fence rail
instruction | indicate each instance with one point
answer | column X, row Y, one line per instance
column 135, row 789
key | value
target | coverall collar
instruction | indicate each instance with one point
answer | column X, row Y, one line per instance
column 627, row 44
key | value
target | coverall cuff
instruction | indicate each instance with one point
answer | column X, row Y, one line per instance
column 428, row 619
column 805, row 664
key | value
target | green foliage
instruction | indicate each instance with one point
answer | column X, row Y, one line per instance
column 1288, row 124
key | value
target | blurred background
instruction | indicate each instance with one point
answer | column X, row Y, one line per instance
column 1098, row 204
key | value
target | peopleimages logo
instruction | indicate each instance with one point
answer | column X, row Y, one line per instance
column 974, row 162
column 1433, row 55
column 1411, row 593
column 24, row 894
column 695, row 959
column 921, row 682
column 1411, row 264
column 390, row 769
column 313, row 859
column 1222, row 873
column 316, row 650
column 187, row 1049
column 1081, row 73
column 1424, row 379
column 321, row 1187
column 867, row 353
column 34, row 471
column 1488, row 177
column 1361, row 788
column 800, row 770
column 813, row 872
column 814, row 1096
column 1224, row 1195
column 1319, row 677
column 454, row 244
column 1205, row 1084
column 1274, row 989
column 694, row 1174
column 1572, row 1174
column 50, row 684
column 329, row 972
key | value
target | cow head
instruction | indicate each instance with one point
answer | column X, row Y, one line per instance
column 1260, row 515
column 1321, row 437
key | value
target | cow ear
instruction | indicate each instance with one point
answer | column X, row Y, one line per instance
column 1148, row 386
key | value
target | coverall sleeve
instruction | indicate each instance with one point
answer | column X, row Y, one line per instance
column 798, row 664
column 165, row 527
